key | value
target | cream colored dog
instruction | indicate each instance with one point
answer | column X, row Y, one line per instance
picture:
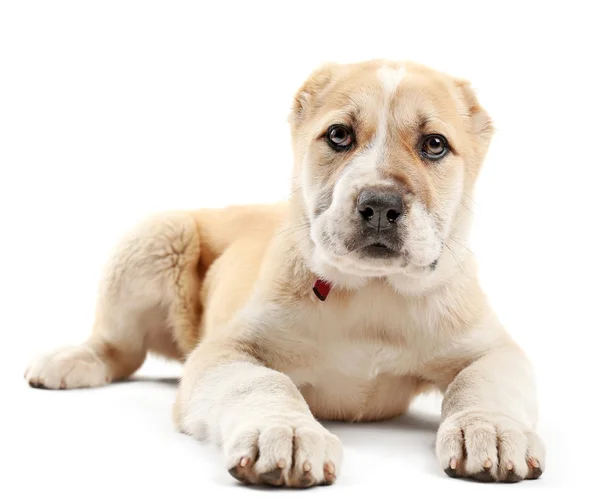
column 343, row 304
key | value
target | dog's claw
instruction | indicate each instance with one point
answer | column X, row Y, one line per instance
column 484, row 475
column 511, row 476
column 273, row 477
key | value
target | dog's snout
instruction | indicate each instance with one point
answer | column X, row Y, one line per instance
column 379, row 208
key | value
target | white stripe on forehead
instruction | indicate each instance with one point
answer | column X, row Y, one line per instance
column 390, row 78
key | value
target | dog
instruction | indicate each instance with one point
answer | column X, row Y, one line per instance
column 342, row 303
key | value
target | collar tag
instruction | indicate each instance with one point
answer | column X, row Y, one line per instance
column 321, row 289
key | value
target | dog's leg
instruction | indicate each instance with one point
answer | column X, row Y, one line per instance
column 488, row 420
column 257, row 415
column 147, row 301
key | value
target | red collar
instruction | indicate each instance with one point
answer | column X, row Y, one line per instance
column 321, row 289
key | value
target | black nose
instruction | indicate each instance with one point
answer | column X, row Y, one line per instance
column 380, row 208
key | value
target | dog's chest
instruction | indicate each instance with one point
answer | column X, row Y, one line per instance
column 341, row 356
column 350, row 380
column 355, row 357
column 366, row 335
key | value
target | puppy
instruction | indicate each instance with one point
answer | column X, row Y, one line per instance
column 343, row 303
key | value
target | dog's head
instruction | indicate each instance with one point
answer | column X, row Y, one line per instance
column 384, row 155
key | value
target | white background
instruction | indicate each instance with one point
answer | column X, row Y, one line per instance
column 112, row 110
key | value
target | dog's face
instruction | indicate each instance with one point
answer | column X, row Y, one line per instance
column 384, row 154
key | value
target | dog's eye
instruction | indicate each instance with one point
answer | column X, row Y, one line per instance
column 339, row 137
column 434, row 146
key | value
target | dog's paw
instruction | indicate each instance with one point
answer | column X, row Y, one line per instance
column 489, row 447
column 283, row 452
column 75, row 367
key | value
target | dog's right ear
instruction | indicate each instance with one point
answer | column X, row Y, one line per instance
column 305, row 98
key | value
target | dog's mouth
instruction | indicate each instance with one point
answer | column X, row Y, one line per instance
column 378, row 250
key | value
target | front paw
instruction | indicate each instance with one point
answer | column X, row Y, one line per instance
column 67, row 368
column 284, row 452
column 489, row 447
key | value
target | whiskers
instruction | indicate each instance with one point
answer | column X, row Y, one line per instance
column 467, row 208
column 294, row 229
column 301, row 241
column 469, row 198
column 471, row 203
column 458, row 262
column 301, row 231
column 458, row 242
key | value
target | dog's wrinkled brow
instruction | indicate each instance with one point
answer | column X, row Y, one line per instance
column 424, row 122
column 347, row 115
column 429, row 124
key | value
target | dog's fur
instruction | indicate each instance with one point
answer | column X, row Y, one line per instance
column 230, row 293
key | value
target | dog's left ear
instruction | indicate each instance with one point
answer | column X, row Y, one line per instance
column 306, row 97
column 481, row 122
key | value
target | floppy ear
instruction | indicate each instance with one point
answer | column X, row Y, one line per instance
column 481, row 122
column 305, row 98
